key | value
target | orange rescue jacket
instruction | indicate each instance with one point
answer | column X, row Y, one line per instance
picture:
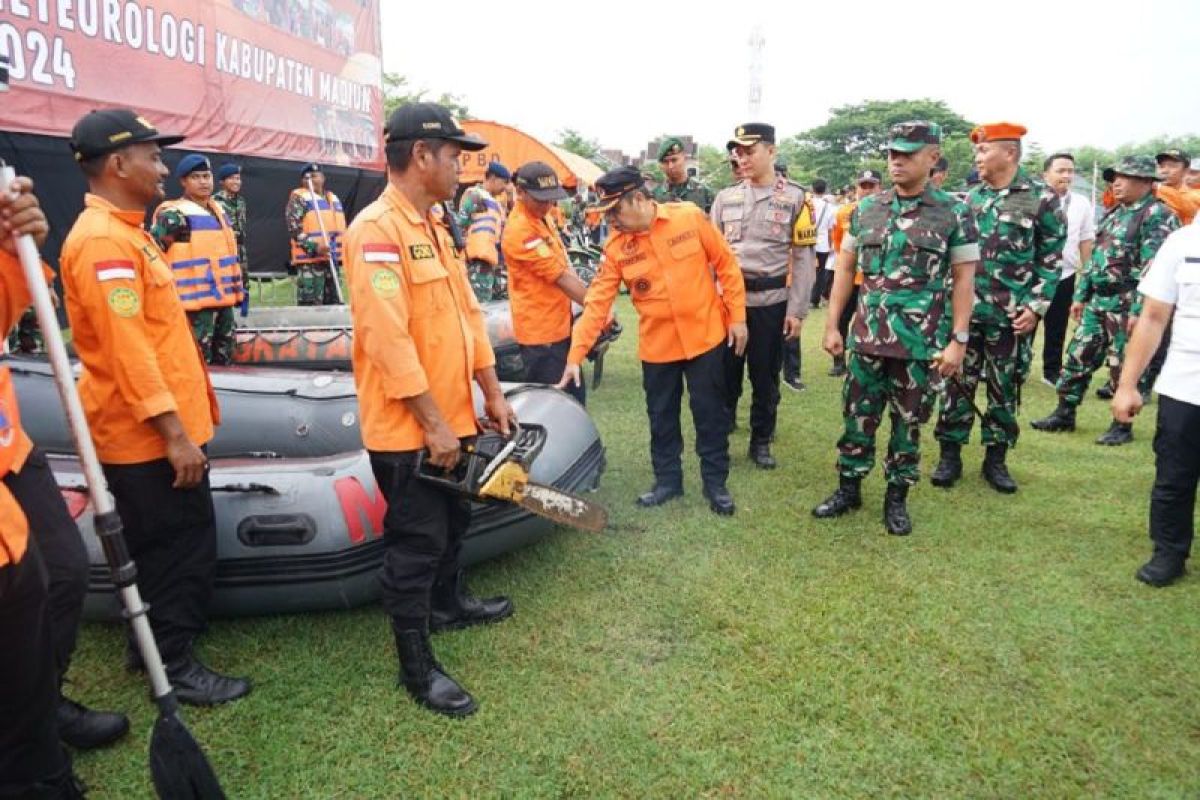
column 327, row 211
column 128, row 326
column 670, row 273
column 14, row 443
column 417, row 325
column 205, row 268
column 536, row 259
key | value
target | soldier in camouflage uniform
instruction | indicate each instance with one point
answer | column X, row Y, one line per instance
column 230, row 198
column 212, row 326
column 679, row 185
column 911, row 243
column 1022, row 231
column 481, row 214
column 311, row 249
column 1107, row 303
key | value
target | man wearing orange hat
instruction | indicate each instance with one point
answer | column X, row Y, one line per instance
column 1021, row 235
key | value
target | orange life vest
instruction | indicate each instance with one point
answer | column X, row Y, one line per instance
column 329, row 209
column 483, row 229
column 205, row 269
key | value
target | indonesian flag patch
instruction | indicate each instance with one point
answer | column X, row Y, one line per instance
column 381, row 252
column 117, row 270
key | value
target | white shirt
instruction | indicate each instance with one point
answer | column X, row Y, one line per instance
column 1174, row 277
column 1081, row 227
column 824, row 215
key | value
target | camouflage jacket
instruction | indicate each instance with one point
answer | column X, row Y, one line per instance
column 1127, row 240
column 1022, row 232
column 693, row 191
column 904, row 247
column 170, row 226
column 235, row 209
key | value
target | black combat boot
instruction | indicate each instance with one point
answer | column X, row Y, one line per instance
column 659, row 493
column 1061, row 419
column 839, row 367
column 197, row 685
column 720, row 501
column 949, row 468
column 1163, row 569
column 85, row 729
column 995, row 471
column 453, row 607
column 1106, row 391
column 895, row 510
column 847, row 497
column 1118, row 433
column 760, row 454
column 424, row 678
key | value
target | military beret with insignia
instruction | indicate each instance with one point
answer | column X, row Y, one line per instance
column 998, row 132
column 192, row 162
column 669, row 147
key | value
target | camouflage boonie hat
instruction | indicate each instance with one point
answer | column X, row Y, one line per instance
column 911, row 136
column 1137, row 167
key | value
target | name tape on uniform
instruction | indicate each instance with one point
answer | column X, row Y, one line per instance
column 418, row 251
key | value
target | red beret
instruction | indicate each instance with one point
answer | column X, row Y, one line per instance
column 998, row 132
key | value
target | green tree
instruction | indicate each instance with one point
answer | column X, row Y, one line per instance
column 854, row 137
column 575, row 142
column 398, row 92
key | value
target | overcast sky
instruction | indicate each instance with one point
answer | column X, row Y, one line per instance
column 624, row 72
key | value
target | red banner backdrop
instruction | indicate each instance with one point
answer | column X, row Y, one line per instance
column 291, row 79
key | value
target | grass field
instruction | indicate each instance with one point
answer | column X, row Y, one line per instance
column 1002, row 651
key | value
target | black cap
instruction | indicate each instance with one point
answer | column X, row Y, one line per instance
column 310, row 167
column 868, row 176
column 751, row 133
column 110, row 129
column 942, row 165
column 781, row 167
column 615, row 184
column 428, row 121
column 540, row 181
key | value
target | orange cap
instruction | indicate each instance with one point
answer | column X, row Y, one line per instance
column 997, row 132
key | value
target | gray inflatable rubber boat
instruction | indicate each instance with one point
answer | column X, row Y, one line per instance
column 299, row 517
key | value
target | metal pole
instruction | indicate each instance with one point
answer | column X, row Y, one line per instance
column 337, row 284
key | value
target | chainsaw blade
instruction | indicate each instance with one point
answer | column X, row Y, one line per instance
column 510, row 482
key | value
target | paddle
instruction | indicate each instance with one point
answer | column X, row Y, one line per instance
column 177, row 764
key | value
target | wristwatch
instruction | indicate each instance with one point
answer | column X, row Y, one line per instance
column 962, row 337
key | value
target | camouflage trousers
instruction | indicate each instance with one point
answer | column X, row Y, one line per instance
column 874, row 383
column 213, row 329
column 484, row 278
column 1099, row 337
column 1002, row 359
column 314, row 287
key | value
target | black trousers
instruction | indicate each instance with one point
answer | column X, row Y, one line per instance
column 1055, row 332
column 1176, row 472
column 423, row 530
column 172, row 537
column 61, row 547
column 32, row 760
column 762, row 359
column 792, row 359
column 706, row 387
column 822, row 281
column 544, row 363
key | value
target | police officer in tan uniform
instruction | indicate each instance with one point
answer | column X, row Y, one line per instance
column 757, row 217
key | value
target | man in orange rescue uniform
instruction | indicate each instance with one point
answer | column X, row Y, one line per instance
column 667, row 254
column 33, row 762
column 541, row 282
column 145, row 390
column 419, row 340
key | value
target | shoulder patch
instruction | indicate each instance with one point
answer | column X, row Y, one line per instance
column 421, row 250
column 385, row 283
column 124, row 302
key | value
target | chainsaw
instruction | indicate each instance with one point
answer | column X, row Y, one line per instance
column 496, row 467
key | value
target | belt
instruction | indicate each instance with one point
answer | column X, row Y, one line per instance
column 766, row 284
column 1114, row 290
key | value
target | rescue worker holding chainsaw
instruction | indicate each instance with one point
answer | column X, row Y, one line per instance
column 419, row 341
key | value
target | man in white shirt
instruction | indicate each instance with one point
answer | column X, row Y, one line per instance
column 1058, row 171
column 1171, row 284
column 824, row 213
